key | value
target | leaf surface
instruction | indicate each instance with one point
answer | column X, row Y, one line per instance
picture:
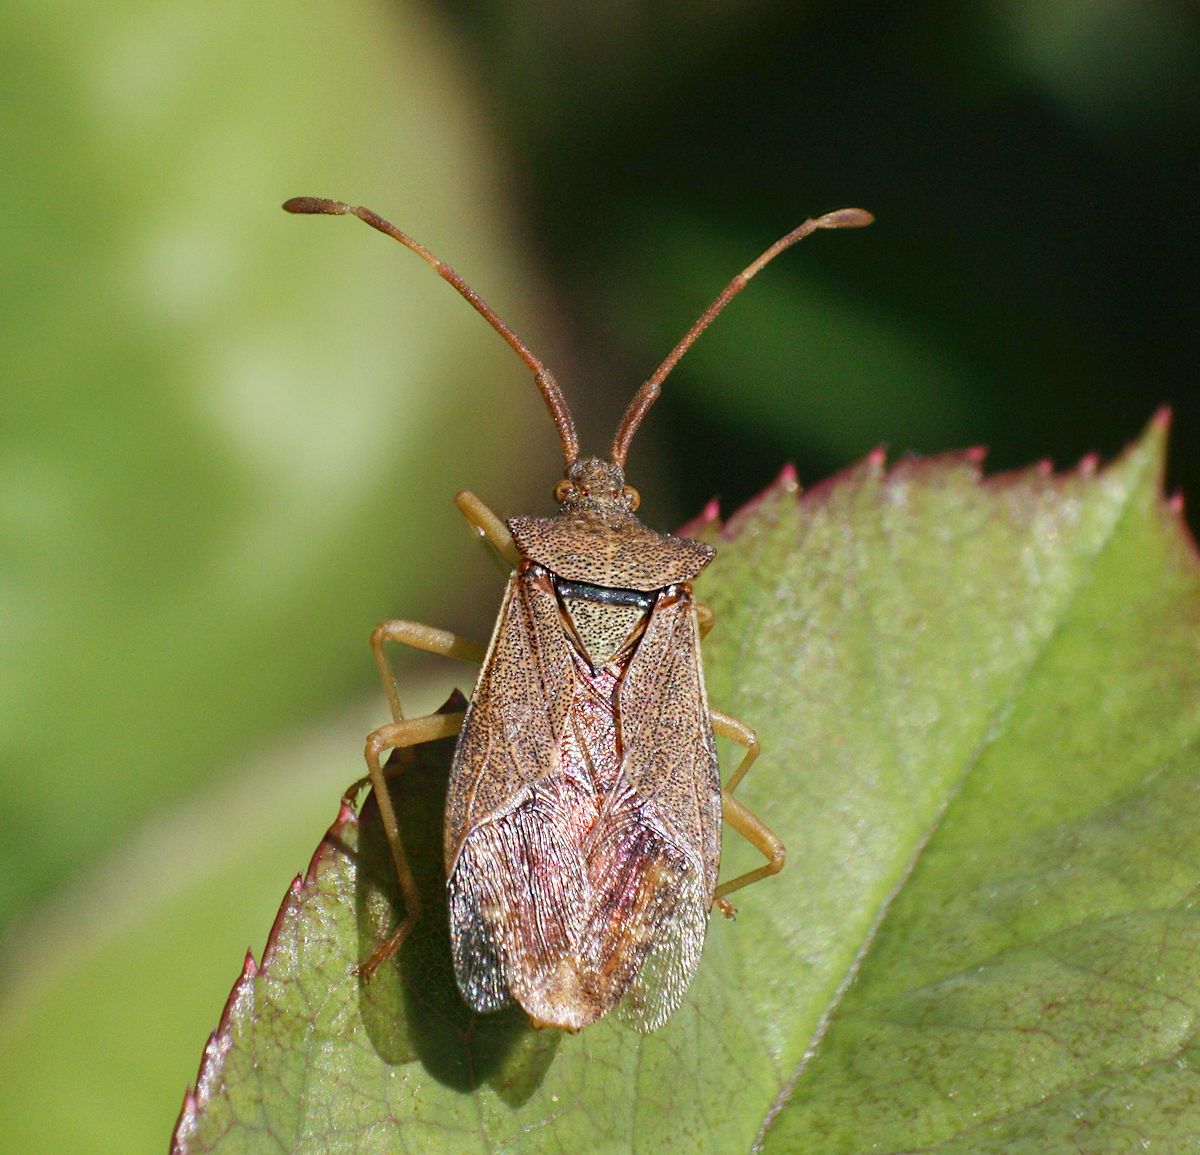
column 978, row 703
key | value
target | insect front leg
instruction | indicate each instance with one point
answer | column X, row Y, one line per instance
column 744, row 821
column 489, row 527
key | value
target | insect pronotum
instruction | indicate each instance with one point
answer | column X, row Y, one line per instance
column 582, row 830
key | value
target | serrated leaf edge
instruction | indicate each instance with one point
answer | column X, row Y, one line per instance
column 1152, row 444
column 208, row 1078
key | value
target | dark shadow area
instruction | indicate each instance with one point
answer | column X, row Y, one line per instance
column 1029, row 284
column 411, row 1008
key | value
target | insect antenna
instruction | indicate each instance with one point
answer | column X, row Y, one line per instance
column 649, row 392
column 542, row 376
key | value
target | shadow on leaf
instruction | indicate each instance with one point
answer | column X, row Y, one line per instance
column 411, row 1008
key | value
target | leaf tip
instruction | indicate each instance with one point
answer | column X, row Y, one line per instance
column 185, row 1125
column 708, row 518
column 1154, row 440
column 212, row 1061
column 290, row 899
column 786, row 484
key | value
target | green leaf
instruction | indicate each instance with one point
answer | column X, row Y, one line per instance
column 978, row 703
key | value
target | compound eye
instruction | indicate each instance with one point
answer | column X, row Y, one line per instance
column 633, row 497
column 563, row 490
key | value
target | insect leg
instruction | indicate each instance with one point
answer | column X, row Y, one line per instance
column 730, row 727
column 401, row 734
column 419, row 637
column 745, row 822
column 485, row 523
column 760, row 836
column 705, row 619
column 398, row 736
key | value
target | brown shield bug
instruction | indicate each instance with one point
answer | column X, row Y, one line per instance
column 582, row 836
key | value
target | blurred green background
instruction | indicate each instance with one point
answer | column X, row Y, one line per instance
column 230, row 437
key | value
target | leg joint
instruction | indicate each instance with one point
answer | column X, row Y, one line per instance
column 778, row 858
column 377, row 742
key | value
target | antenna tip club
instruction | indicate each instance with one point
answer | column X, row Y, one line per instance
column 846, row 219
column 316, row 205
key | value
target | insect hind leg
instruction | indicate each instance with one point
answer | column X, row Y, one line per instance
column 760, row 836
column 400, row 736
column 745, row 822
column 727, row 726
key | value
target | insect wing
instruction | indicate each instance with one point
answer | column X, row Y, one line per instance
column 518, row 708
column 583, row 819
column 505, row 855
column 671, row 765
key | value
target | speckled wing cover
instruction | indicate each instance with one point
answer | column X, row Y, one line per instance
column 583, row 818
